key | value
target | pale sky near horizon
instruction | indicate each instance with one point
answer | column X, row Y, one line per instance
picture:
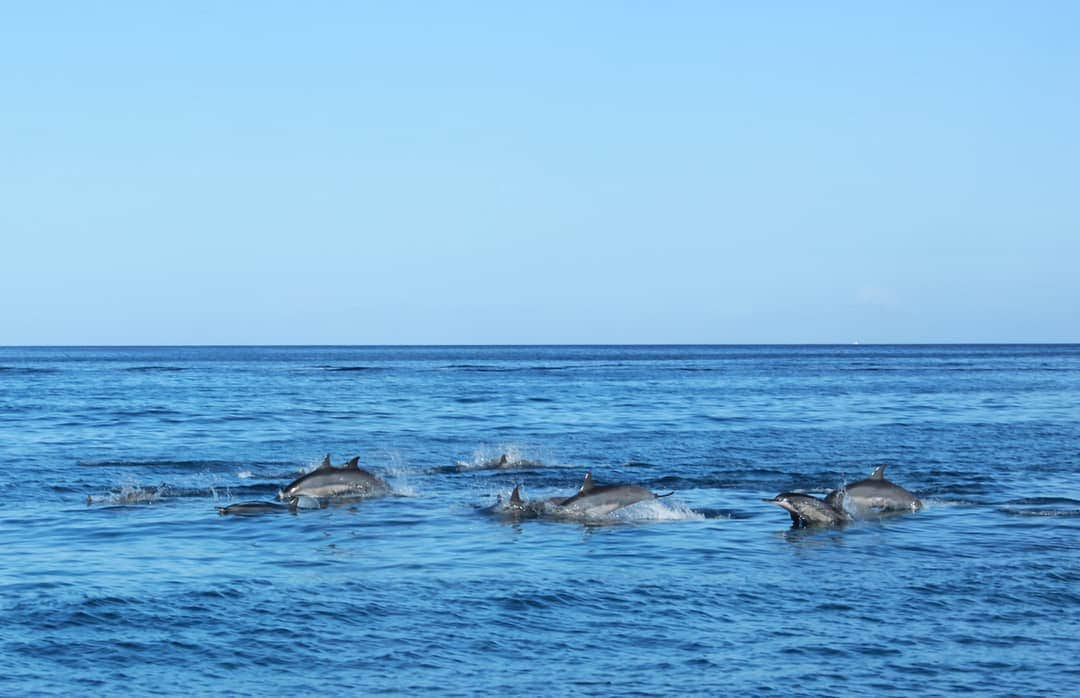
column 558, row 172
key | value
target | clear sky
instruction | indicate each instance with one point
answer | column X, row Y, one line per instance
column 539, row 172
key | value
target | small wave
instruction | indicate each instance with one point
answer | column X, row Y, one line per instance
column 29, row 369
column 154, row 368
column 224, row 491
column 933, row 503
column 149, row 411
column 489, row 368
column 287, row 475
column 976, row 486
column 1065, row 513
column 1043, row 501
column 247, row 474
column 347, row 369
column 710, row 513
column 729, row 419
column 678, row 483
column 463, row 467
column 176, row 464
column 1041, row 506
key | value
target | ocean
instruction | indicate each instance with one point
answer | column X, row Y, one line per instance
column 118, row 575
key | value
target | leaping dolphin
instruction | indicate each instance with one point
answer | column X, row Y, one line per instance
column 873, row 496
column 597, row 500
column 350, row 480
column 809, row 511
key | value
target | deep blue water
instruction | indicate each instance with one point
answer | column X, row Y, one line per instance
column 707, row 592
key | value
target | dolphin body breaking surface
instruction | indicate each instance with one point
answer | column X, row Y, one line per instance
column 873, row 496
column 590, row 501
column 326, row 481
column 516, row 508
column 807, row 511
column 597, row 500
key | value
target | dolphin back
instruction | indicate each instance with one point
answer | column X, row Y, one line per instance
column 873, row 496
column 350, row 480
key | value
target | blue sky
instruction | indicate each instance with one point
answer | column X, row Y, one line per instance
column 294, row 173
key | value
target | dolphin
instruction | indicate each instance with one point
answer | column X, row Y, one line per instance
column 255, row 508
column 350, row 480
column 516, row 508
column 506, row 461
column 873, row 496
column 597, row 500
column 809, row 511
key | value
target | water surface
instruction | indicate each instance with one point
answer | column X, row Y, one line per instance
column 706, row 592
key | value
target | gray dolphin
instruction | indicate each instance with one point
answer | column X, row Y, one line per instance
column 873, row 496
column 516, row 508
column 598, row 500
column 505, row 461
column 350, row 480
column 809, row 511
column 256, row 508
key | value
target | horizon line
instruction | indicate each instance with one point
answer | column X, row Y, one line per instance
column 553, row 344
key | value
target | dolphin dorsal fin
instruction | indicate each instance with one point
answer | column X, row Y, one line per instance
column 325, row 462
column 879, row 473
column 587, row 484
column 515, row 496
column 503, row 459
column 353, row 463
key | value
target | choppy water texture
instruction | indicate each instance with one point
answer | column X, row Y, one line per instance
column 118, row 576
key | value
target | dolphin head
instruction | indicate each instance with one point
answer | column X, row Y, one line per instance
column 808, row 511
column 783, row 500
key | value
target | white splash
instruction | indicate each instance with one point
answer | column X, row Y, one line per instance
column 502, row 456
column 654, row 510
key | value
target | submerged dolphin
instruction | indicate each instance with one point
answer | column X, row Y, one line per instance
column 809, row 511
column 598, row 500
column 256, row 508
column 508, row 461
column 350, row 480
column 873, row 496
column 137, row 495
